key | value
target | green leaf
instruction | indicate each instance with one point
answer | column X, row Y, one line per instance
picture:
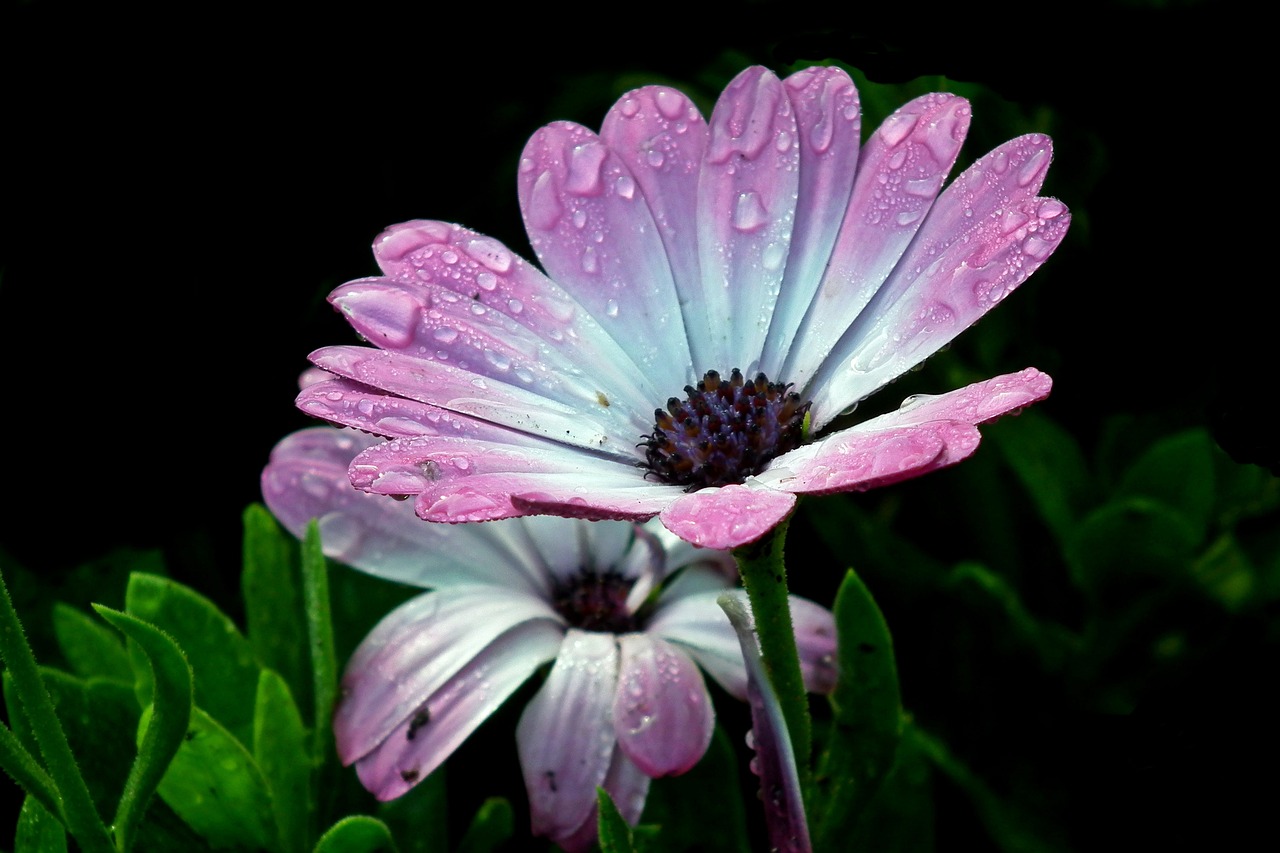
column 92, row 649
column 226, row 672
column 681, row 804
column 615, row 835
column 1227, row 574
column 866, row 714
column 168, row 715
column 271, row 585
column 1051, row 643
column 324, row 666
column 899, row 818
column 357, row 834
column 214, row 784
column 280, row 749
column 492, row 826
column 1179, row 473
column 1130, row 543
column 82, row 819
column 38, row 830
column 1050, row 465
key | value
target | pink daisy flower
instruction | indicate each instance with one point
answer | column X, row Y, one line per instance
column 626, row 614
column 716, row 294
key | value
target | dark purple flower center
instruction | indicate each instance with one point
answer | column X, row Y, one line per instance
column 724, row 431
column 595, row 601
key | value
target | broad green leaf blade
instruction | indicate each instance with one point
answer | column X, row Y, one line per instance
column 694, row 810
column 226, row 672
column 38, row 830
column 168, row 715
column 280, row 748
column 1179, row 473
column 492, row 827
column 1129, row 544
column 866, row 714
column 615, row 835
column 214, row 785
column 272, row 588
column 357, row 834
column 92, row 649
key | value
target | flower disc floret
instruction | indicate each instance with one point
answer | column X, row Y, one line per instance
column 724, row 431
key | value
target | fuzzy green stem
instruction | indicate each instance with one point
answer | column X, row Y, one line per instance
column 77, row 809
column 764, row 574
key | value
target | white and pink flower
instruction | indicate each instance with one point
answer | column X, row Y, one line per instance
column 624, row 613
column 676, row 249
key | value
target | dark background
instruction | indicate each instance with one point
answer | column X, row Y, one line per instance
column 183, row 184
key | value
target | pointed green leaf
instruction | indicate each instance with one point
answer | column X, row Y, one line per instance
column 357, row 834
column 324, row 666
column 492, row 826
column 272, row 588
column 615, row 835
column 226, row 672
column 989, row 592
column 91, row 648
column 681, row 804
column 16, row 754
column 38, row 830
column 170, row 675
column 214, row 785
column 280, row 749
column 866, row 714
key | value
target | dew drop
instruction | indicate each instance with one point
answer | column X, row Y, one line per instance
column 515, row 306
column 749, row 213
column 897, row 127
column 670, row 103
column 590, row 260
column 579, row 219
column 489, row 252
column 611, row 308
column 545, row 209
column 449, row 256
column 497, row 359
column 655, row 158
column 445, row 335
column 585, row 162
column 629, row 107
column 487, row 281
column 626, row 187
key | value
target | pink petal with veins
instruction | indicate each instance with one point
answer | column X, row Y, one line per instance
column 565, row 736
column 727, row 516
column 446, row 717
column 662, row 712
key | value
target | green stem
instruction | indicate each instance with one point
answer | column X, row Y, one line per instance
column 81, row 817
column 764, row 574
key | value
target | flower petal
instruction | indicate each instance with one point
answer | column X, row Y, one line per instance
column 627, row 786
column 746, row 211
column 860, row 457
column 587, row 425
column 900, row 171
column 565, row 735
column 439, row 725
column 346, row 402
column 931, row 299
column 660, row 135
column 415, row 650
column 829, row 121
column 727, row 516
column 979, row 403
column 595, row 235
column 775, row 763
column 662, row 712
column 307, row 478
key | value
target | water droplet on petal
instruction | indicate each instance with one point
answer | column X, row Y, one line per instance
column 625, row 186
column 629, row 107
column 445, row 335
column 487, row 281
column 585, row 162
column 590, row 260
column 489, row 252
column 897, row 127
column 655, row 158
column 670, row 103
column 545, row 209
column 611, row 308
column 749, row 213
